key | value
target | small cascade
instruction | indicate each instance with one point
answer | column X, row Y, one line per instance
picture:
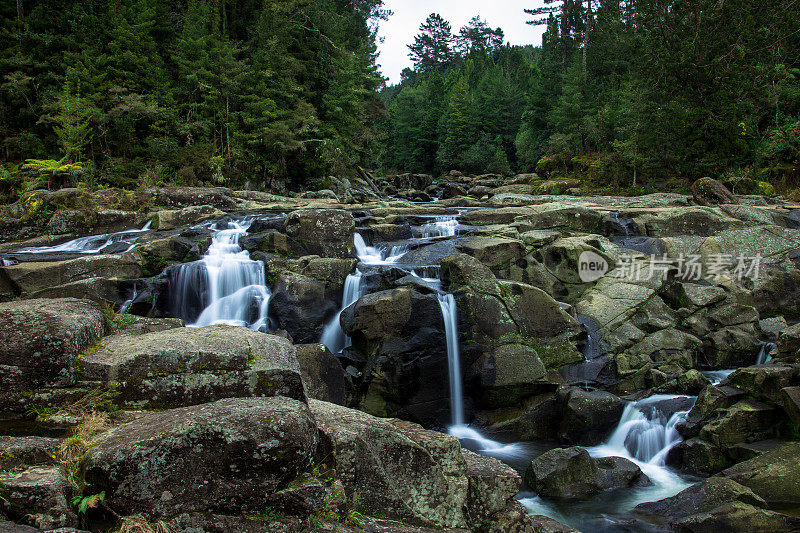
column 92, row 244
column 333, row 336
column 442, row 226
column 718, row 376
column 448, row 306
column 371, row 255
column 645, row 432
column 126, row 305
column 225, row 287
column 765, row 355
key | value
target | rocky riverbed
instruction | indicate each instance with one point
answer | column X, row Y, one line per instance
column 403, row 355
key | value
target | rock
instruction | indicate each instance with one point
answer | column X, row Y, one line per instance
column 189, row 366
column 26, row 451
column 494, row 252
column 508, row 374
column 271, row 241
column 789, row 344
column 410, row 474
column 323, row 376
column 791, row 403
column 739, row 517
column 588, row 416
column 453, row 190
column 682, row 221
column 171, row 219
column 323, row 232
column 698, row 457
column 773, row 327
column 763, row 383
column 41, row 343
column 92, row 221
column 746, row 420
column 699, row 498
column 191, row 196
column 571, row 473
column 773, row 476
column 225, row 456
column 29, row 278
column 400, row 335
column 708, row 191
column 38, row 497
column 545, row 524
column 299, row 306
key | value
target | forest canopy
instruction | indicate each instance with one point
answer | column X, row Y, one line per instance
column 279, row 93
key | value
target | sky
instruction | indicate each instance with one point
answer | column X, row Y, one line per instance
column 399, row 31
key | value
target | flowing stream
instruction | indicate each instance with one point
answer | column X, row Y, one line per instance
column 333, row 336
column 93, row 244
column 226, row 285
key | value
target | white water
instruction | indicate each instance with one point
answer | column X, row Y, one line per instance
column 644, row 435
column 442, row 226
column 92, row 244
column 370, row 255
column 333, row 336
column 230, row 284
column 765, row 355
column 449, row 313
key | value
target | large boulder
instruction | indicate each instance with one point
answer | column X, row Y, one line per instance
column 587, row 416
column 226, row 456
column 188, row 366
column 323, row 232
column 299, row 306
column 571, row 474
column 400, row 335
column 508, row 374
column 26, row 279
column 773, row 476
column 168, row 219
column 420, row 477
column 42, row 340
column 188, row 196
column 708, row 191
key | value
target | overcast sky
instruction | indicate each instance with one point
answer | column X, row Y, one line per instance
column 399, row 31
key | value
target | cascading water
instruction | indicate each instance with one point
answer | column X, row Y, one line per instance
column 448, row 306
column 442, row 226
column 92, row 244
column 370, row 255
column 645, row 434
column 765, row 355
column 333, row 336
column 226, row 286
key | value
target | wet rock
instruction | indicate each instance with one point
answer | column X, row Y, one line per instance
column 411, row 181
column 708, row 191
column 323, row 376
column 41, row 343
column 764, row 382
column 545, row 524
column 789, row 344
column 188, row 366
column 298, row 305
column 323, row 232
column 171, row 219
column 571, row 473
column 587, row 416
column 698, row 457
column 225, row 457
column 746, row 420
column 791, row 403
column 37, row 497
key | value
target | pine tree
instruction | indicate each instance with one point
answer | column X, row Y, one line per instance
column 433, row 48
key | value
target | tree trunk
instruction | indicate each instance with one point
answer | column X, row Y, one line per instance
column 19, row 12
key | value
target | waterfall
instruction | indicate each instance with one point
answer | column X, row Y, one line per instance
column 370, row 255
column 448, row 306
column 92, row 244
column 225, row 287
column 442, row 226
column 333, row 336
column 765, row 355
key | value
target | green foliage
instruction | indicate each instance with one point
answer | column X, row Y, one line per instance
column 84, row 503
